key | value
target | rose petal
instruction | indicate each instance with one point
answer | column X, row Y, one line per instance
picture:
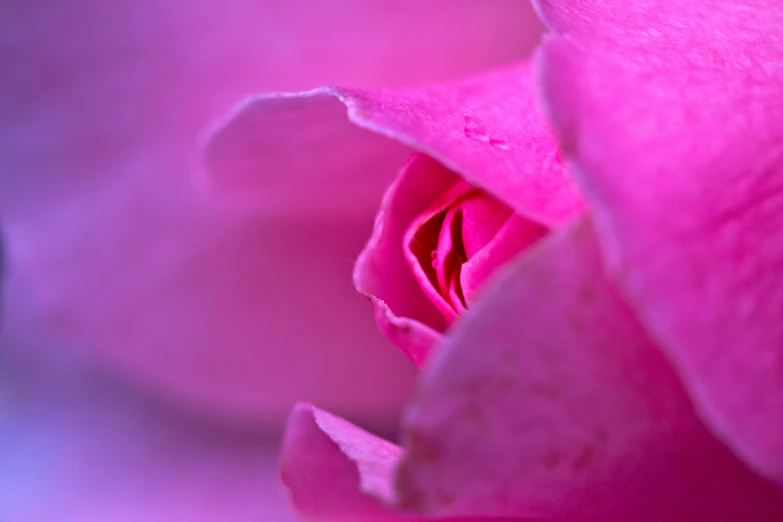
column 337, row 471
column 482, row 217
column 549, row 400
column 427, row 246
column 516, row 234
column 402, row 310
column 673, row 114
column 331, row 467
column 299, row 154
column 488, row 128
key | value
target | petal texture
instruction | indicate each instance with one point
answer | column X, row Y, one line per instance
column 673, row 116
column 549, row 400
column 338, row 472
column 488, row 129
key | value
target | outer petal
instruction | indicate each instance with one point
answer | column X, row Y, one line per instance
column 673, row 114
column 76, row 448
column 549, row 400
column 101, row 107
column 336, row 471
column 488, row 128
column 332, row 468
column 232, row 314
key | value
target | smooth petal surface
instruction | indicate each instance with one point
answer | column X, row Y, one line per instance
column 76, row 448
column 225, row 313
column 298, row 155
column 549, row 400
column 673, row 115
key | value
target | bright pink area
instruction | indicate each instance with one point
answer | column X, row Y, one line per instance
column 672, row 113
column 430, row 245
column 548, row 400
column 334, row 469
column 490, row 129
column 337, row 472
column 403, row 311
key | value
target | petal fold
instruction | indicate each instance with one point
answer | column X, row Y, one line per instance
column 488, row 128
column 549, row 400
column 672, row 114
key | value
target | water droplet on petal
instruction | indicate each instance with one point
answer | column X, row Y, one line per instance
column 475, row 129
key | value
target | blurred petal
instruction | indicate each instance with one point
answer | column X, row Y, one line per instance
column 75, row 448
column 331, row 467
column 336, row 471
column 224, row 313
column 549, row 400
column 673, row 115
column 299, row 155
column 102, row 106
column 487, row 128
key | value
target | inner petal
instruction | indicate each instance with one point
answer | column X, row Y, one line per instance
column 425, row 254
column 449, row 259
column 483, row 216
column 516, row 234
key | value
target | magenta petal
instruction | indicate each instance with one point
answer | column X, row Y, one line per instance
column 332, row 468
column 489, row 129
column 402, row 310
column 482, row 217
column 299, row 154
column 338, row 472
column 549, row 400
column 673, row 114
column 516, row 234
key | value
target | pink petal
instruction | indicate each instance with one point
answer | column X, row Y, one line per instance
column 548, row 400
column 488, row 129
column 673, row 114
column 337, row 471
column 299, row 155
column 427, row 242
column 516, row 234
column 114, row 252
column 403, row 312
column 334, row 469
column 482, row 217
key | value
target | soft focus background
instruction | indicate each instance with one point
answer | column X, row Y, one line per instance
column 153, row 340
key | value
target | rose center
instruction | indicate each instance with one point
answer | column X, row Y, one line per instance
column 454, row 245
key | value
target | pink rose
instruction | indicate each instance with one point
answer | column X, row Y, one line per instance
column 629, row 364
column 438, row 237
column 118, row 262
column 115, row 253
